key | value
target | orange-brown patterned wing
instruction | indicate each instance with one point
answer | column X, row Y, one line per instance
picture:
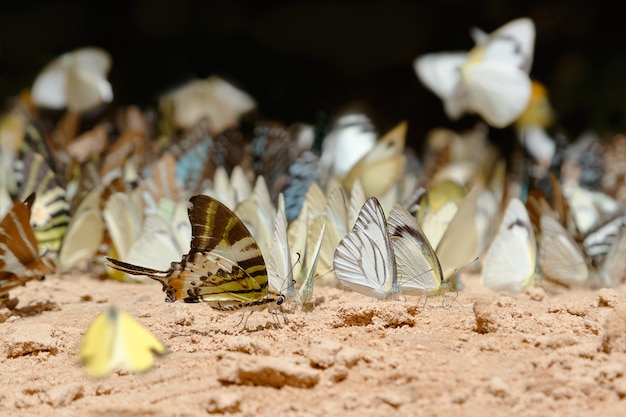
column 19, row 256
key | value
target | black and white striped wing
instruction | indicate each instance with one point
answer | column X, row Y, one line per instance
column 364, row 260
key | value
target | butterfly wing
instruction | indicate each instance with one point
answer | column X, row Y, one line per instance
column 419, row 270
column 364, row 260
column 82, row 239
column 49, row 89
column 510, row 262
column 459, row 243
column 512, row 43
column 19, row 260
column 559, row 257
column 497, row 91
column 614, row 267
column 115, row 339
column 441, row 73
column 306, row 289
column 279, row 260
column 382, row 166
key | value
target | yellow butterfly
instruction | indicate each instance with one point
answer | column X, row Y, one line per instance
column 115, row 340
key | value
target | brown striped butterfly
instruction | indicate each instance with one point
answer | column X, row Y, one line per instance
column 224, row 266
column 19, row 256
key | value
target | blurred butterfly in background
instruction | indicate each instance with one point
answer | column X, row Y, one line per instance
column 382, row 166
column 164, row 236
column 115, row 340
column 491, row 80
column 50, row 212
column 510, row 262
column 352, row 136
column 213, row 98
column 84, row 233
column 560, row 258
column 76, row 80
column 20, row 261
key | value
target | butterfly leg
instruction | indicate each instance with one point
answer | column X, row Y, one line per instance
column 245, row 323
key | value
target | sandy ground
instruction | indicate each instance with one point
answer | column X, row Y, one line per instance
column 547, row 351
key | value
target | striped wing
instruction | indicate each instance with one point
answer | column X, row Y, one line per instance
column 224, row 265
column 419, row 270
column 50, row 212
column 364, row 260
column 19, row 257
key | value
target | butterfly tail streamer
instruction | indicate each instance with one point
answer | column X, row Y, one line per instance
column 136, row 270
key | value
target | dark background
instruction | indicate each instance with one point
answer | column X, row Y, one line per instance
column 302, row 60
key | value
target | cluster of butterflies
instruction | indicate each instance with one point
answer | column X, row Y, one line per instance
column 254, row 217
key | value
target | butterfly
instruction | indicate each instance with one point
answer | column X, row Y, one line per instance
column 613, row 269
column 560, row 258
column 279, row 268
column 364, row 260
column 351, row 137
column 19, row 256
column 76, row 80
column 491, row 80
column 224, row 266
column 50, row 213
column 382, row 166
column 115, row 340
column 510, row 262
column 598, row 241
column 84, row 233
column 213, row 98
column 422, row 270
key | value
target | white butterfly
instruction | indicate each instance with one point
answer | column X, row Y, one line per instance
column 76, row 80
column 306, row 288
column 421, row 269
column 278, row 260
column 560, row 258
column 213, row 98
column 418, row 267
column 352, row 136
column 364, row 260
column 510, row 262
column 279, row 267
column 491, row 80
